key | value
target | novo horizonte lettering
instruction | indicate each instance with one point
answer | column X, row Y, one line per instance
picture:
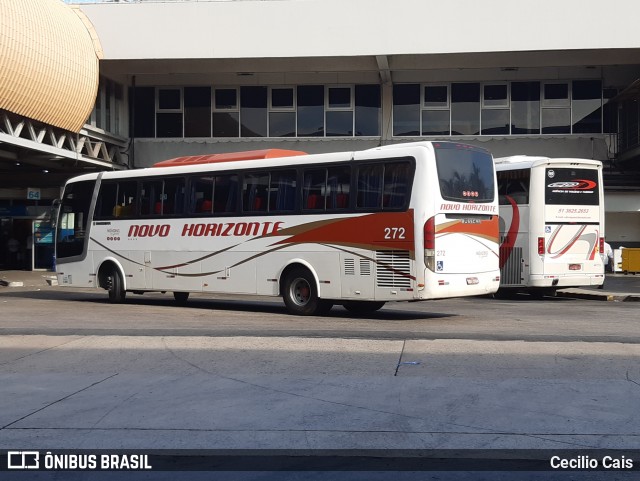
column 222, row 229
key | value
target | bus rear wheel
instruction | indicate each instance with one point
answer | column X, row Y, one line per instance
column 115, row 286
column 181, row 297
column 363, row 307
column 300, row 294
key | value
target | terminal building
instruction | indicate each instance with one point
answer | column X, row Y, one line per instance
column 98, row 85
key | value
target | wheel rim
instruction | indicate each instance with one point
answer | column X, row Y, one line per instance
column 300, row 291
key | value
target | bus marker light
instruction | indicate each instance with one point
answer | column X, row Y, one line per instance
column 541, row 245
column 472, row 281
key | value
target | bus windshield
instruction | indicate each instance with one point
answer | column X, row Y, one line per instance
column 465, row 174
column 73, row 219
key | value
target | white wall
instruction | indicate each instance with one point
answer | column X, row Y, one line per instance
column 623, row 202
column 310, row 28
column 623, row 229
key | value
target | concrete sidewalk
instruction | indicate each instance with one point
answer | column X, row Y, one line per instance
column 618, row 287
column 27, row 278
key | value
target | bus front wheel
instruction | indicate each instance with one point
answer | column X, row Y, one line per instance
column 115, row 286
column 363, row 307
column 300, row 294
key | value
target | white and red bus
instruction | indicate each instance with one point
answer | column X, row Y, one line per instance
column 551, row 223
column 405, row 222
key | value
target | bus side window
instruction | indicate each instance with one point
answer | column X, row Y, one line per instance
column 369, row 184
column 282, row 192
column 225, row 193
column 106, row 203
column 313, row 192
column 201, row 195
column 151, row 197
column 514, row 184
column 396, row 179
column 255, row 189
column 338, row 182
column 172, row 198
column 126, row 199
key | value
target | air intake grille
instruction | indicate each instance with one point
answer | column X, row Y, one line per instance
column 393, row 269
column 511, row 271
column 349, row 267
column 365, row 267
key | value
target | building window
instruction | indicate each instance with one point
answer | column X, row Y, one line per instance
column 495, row 109
column 282, row 112
column 169, row 112
column 339, row 114
column 406, row 110
column 367, row 110
column 465, row 109
column 109, row 110
column 436, row 110
column 310, row 121
column 586, row 106
column 253, row 111
column 142, row 112
column 525, row 108
column 609, row 111
column 197, row 107
column 556, row 108
column 226, row 115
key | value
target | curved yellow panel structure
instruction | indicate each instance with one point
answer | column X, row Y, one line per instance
column 48, row 62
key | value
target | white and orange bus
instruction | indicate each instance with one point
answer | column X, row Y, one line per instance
column 551, row 223
column 405, row 222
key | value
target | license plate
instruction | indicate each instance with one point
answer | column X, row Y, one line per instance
column 575, row 267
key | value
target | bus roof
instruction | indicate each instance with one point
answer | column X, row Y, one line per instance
column 529, row 161
column 228, row 157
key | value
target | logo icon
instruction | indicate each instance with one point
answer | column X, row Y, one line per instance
column 23, row 460
column 551, row 173
column 578, row 184
column 439, row 266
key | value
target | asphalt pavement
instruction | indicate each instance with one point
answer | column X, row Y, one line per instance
column 114, row 390
column 617, row 287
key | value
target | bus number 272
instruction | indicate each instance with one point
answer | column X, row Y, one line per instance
column 394, row 233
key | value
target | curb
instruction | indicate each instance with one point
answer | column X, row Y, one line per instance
column 598, row 297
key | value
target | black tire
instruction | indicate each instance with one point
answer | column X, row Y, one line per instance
column 363, row 307
column 300, row 293
column 115, row 286
column 181, row 298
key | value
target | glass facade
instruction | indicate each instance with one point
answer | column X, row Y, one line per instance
column 500, row 108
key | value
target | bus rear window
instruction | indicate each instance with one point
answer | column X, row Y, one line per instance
column 571, row 187
column 465, row 174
